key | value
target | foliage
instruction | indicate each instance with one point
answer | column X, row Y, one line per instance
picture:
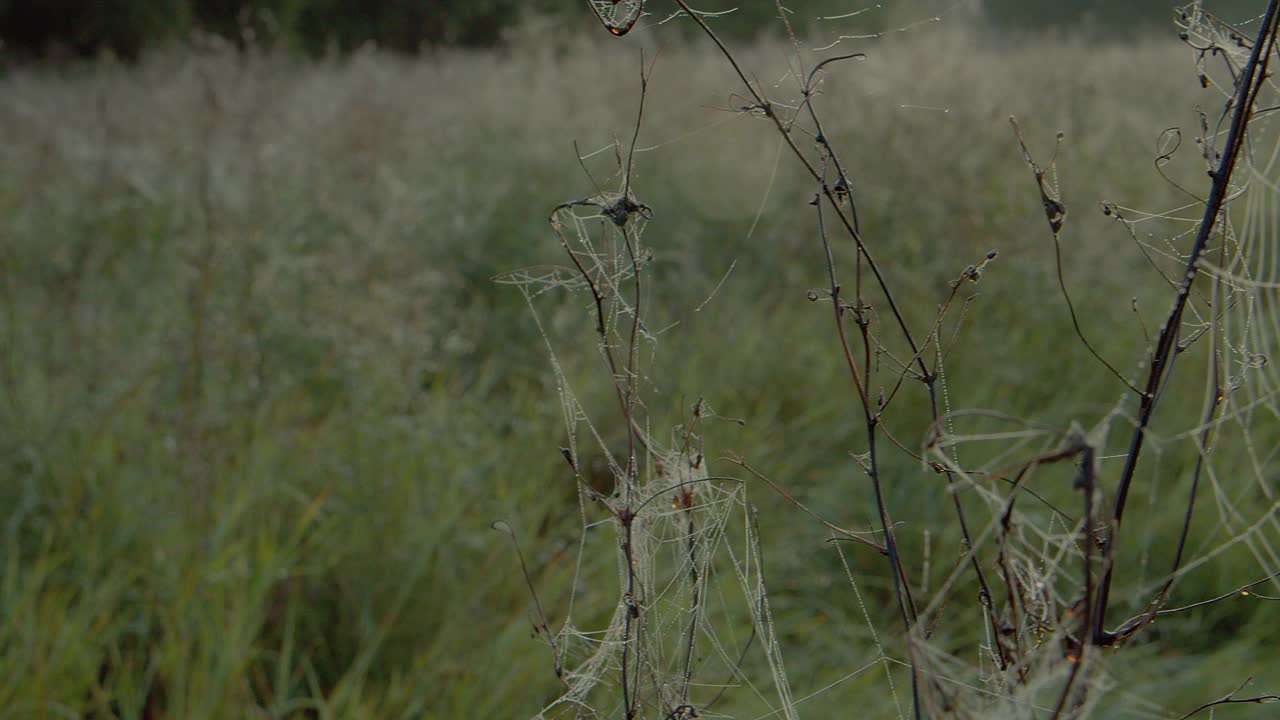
column 127, row 27
column 260, row 400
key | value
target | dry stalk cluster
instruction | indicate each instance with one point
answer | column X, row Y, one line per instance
column 1038, row 520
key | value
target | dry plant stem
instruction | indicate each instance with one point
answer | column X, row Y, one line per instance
column 1056, row 214
column 766, row 107
column 1230, row 699
column 927, row 377
column 1078, row 648
column 694, row 576
column 844, row 186
column 736, row 669
column 848, row 534
column 1023, row 467
column 1202, row 446
column 902, row 591
column 843, row 182
column 838, row 308
column 632, row 612
column 541, row 625
column 1012, row 588
column 1248, row 85
column 843, row 189
column 1212, row 601
column 625, row 387
column 930, row 379
column 694, row 607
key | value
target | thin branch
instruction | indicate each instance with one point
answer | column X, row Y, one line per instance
column 1231, row 699
column 1253, row 77
column 1056, row 215
column 540, row 624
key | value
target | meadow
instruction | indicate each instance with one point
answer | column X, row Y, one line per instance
column 262, row 399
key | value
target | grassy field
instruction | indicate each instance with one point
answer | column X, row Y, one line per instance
column 261, row 398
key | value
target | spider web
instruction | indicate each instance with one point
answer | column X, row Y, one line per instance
column 617, row 16
column 689, row 626
column 690, row 613
column 1044, row 550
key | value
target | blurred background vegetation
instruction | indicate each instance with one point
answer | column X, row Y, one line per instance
column 260, row 398
column 39, row 28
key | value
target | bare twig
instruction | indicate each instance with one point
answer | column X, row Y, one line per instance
column 540, row 624
column 1248, row 86
column 1231, row 699
column 1055, row 213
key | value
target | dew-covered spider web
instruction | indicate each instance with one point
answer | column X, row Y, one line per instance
column 1208, row 459
column 1067, row 545
column 617, row 16
column 689, row 601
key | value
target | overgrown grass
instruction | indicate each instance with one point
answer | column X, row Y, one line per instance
column 261, row 400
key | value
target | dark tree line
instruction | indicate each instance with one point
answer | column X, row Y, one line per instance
column 41, row 28
column 44, row 28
